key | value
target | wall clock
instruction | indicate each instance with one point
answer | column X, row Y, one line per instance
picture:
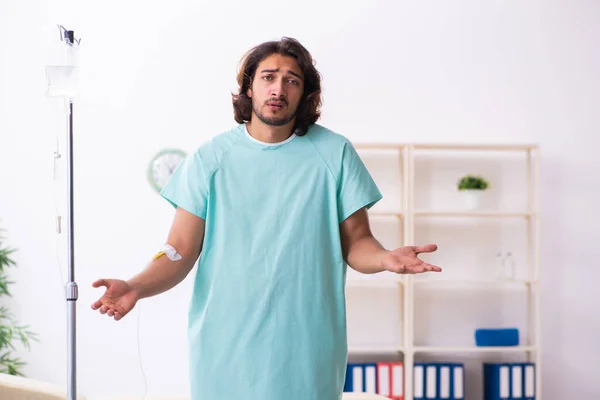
column 162, row 166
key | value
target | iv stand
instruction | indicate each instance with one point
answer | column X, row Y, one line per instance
column 71, row 289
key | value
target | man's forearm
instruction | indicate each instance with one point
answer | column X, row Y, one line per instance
column 161, row 275
column 365, row 255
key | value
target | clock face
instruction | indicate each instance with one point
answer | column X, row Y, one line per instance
column 162, row 166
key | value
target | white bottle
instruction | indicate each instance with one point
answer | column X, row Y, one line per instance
column 508, row 267
column 498, row 266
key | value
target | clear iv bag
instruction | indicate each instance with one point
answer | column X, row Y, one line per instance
column 63, row 65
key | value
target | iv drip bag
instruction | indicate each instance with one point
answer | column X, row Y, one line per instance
column 62, row 66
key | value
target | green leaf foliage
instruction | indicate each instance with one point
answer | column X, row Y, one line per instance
column 11, row 331
column 472, row 182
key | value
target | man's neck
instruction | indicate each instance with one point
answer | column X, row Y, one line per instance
column 267, row 133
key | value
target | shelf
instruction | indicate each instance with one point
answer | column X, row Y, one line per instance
column 375, row 350
column 385, row 214
column 482, row 147
column 424, row 206
column 473, row 349
column 377, row 283
column 476, row 214
column 474, row 282
column 378, row 146
column 373, row 283
column 448, row 146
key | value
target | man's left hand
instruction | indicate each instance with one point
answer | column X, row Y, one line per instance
column 405, row 260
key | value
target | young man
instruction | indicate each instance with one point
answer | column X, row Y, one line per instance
column 274, row 209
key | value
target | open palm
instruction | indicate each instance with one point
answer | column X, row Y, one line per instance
column 405, row 260
column 118, row 299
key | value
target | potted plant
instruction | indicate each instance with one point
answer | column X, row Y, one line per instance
column 10, row 329
column 472, row 186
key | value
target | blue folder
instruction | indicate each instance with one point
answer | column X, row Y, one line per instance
column 361, row 387
column 431, row 381
column 438, row 381
column 419, row 381
column 509, row 381
column 450, row 383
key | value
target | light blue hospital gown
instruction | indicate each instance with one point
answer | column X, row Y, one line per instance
column 267, row 318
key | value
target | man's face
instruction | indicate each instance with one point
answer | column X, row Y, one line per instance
column 276, row 90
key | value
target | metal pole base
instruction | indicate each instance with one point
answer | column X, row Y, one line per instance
column 71, row 291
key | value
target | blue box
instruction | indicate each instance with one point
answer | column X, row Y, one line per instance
column 497, row 337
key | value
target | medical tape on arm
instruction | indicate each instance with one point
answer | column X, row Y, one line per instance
column 168, row 251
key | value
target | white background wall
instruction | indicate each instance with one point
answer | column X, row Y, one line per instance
column 157, row 75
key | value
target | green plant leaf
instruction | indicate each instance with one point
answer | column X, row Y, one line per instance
column 11, row 331
column 472, row 182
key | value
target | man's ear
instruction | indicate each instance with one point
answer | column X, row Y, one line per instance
column 249, row 90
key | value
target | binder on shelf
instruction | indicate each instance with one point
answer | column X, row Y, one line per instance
column 509, row 381
column 516, row 382
column 438, row 381
column 528, row 381
column 353, row 378
column 431, row 378
column 419, row 381
column 390, row 380
column 495, row 381
column 444, row 382
column 457, row 385
column 370, row 378
column 361, row 378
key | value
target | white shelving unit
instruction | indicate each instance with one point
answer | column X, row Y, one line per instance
column 410, row 211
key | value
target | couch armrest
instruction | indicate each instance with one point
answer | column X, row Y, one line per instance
column 20, row 388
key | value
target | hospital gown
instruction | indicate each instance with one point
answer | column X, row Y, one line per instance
column 267, row 317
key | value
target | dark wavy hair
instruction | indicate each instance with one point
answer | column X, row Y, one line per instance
column 309, row 108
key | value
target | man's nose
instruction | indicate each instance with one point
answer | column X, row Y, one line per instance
column 277, row 88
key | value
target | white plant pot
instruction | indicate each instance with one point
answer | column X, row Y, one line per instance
column 473, row 198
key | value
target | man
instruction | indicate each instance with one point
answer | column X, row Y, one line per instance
column 274, row 209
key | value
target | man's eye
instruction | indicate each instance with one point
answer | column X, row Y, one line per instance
column 267, row 77
column 293, row 81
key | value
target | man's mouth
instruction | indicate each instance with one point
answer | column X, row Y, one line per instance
column 276, row 105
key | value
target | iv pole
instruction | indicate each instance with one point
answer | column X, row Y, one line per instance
column 58, row 75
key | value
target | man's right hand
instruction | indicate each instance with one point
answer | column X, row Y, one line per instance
column 118, row 299
column 161, row 274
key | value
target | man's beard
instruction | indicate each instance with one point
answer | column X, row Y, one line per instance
column 273, row 121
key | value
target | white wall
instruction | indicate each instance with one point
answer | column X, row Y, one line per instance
column 160, row 75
